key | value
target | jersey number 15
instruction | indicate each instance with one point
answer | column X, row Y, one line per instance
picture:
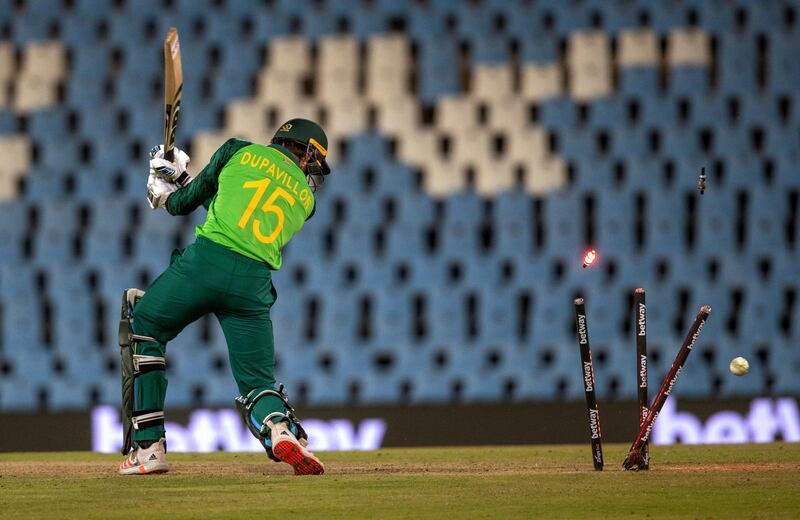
column 268, row 207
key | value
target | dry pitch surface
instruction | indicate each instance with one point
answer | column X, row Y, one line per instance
column 752, row 481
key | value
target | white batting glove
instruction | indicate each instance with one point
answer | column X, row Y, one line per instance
column 158, row 191
column 175, row 171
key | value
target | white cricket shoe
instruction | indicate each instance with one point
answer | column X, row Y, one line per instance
column 144, row 461
column 288, row 449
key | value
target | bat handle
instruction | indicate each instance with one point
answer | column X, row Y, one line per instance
column 169, row 153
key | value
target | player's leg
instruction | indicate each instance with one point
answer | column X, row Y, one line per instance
column 175, row 299
column 247, row 327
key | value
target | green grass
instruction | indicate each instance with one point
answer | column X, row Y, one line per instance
column 752, row 481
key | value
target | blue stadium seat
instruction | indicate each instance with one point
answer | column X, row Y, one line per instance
column 21, row 324
column 785, row 173
column 638, row 80
column 594, row 174
column 18, row 394
column 617, row 16
column 630, row 142
column 642, row 172
column 286, row 325
column 513, row 223
column 430, row 388
column 133, row 89
column 485, row 387
column 552, row 314
column 27, row 29
column 563, row 224
column 780, row 143
column 717, row 227
column 328, row 390
column 42, row 185
column 338, row 323
column 679, row 142
column 73, row 310
column 460, row 227
column 608, row 112
column 445, row 315
column 201, row 116
column 664, row 17
column 50, row 123
column 8, row 121
column 438, row 69
column 380, row 389
column 201, row 8
column 579, row 143
column 237, row 59
column 783, row 70
column 145, row 124
column 766, row 216
column 497, row 319
column 219, row 390
column 67, row 394
column 567, row 17
column 664, row 229
column 415, row 211
column 557, row 364
column 728, row 138
column 77, row 31
column 538, row 48
column 11, row 236
column 490, row 50
column 57, row 153
column 367, row 22
column 615, row 221
column 657, row 111
column 424, row 21
column 559, row 113
column 742, row 171
column 737, row 64
column 94, row 8
column 708, row 111
column 783, row 362
column 716, row 16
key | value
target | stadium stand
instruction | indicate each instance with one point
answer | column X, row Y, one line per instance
column 478, row 149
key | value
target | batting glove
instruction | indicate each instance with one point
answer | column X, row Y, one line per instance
column 158, row 191
column 175, row 171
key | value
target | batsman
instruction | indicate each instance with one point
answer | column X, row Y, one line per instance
column 258, row 197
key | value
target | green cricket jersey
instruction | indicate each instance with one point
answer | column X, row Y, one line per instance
column 257, row 198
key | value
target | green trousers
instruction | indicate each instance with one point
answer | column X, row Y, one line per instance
column 209, row 278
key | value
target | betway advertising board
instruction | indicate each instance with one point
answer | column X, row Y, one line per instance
column 369, row 428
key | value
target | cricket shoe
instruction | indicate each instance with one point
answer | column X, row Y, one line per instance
column 144, row 461
column 288, row 449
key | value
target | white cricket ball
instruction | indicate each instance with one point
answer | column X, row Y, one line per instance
column 739, row 366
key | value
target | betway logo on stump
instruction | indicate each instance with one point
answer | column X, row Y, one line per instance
column 588, row 380
column 673, row 381
column 642, row 322
column 583, row 339
column 696, row 335
column 642, row 371
column 594, row 422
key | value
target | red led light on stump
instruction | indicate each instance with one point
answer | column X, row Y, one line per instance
column 589, row 258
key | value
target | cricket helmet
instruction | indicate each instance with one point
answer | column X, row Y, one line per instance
column 312, row 137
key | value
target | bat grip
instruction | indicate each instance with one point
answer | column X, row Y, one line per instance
column 169, row 154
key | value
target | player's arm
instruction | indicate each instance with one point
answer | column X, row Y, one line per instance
column 203, row 188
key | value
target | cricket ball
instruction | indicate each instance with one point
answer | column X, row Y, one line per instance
column 739, row 366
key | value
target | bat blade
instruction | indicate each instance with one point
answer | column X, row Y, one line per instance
column 173, row 85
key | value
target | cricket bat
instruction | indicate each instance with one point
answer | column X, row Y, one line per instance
column 173, row 85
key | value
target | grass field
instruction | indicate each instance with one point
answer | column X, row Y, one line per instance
column 753, row 481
